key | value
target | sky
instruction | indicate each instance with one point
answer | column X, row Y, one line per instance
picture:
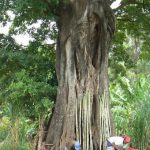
column 23, row 39
column 115, row 4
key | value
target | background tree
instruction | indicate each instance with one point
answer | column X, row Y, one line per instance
column 128, row 71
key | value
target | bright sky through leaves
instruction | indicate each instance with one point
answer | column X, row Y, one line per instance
column 23, row 39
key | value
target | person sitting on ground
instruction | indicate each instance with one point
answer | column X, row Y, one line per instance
column 118, row 142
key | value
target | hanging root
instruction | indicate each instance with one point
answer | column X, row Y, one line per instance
column 85, row 130
column 85, row 133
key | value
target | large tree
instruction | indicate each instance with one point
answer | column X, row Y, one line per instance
column 85, row 30
column 82, row 106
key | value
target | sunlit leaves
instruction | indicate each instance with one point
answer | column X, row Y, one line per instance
column 25, row 93
column 130, row 106
column 28, row 80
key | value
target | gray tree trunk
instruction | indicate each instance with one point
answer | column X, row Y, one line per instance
column 82, row 108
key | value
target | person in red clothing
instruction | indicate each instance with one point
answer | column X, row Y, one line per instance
column 131, row 148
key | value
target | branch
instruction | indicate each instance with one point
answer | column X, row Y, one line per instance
column 111, row 1
column 123, row 4
column 52, row 8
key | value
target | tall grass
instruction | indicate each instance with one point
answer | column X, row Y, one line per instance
column 141, row 125
column 131, row 110
column 15, row 138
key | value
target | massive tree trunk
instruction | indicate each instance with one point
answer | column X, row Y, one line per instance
column 82, row 107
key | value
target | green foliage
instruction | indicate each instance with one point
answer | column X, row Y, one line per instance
column 4, row 126
column 28, row 95
column 27, row 85
column 129, row 72
column 142, row 103
column 14, row 133
column 27, row 74
column 130, row 106
column 131, row 40
column 141, row 124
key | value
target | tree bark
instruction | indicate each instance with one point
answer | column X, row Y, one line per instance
column 82, row 108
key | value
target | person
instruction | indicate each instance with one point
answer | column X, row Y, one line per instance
column 118, row 142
